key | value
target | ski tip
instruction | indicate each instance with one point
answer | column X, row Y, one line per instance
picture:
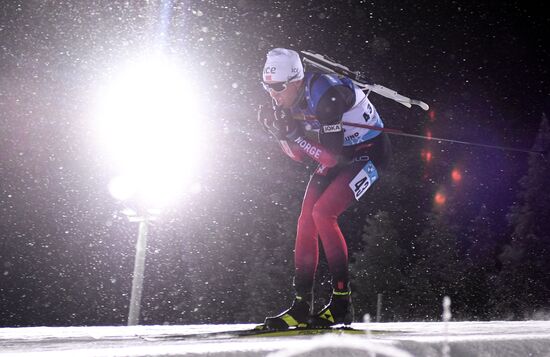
column 420, row 103
column 424, row 106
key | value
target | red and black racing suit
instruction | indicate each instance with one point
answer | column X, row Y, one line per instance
column 328, row 193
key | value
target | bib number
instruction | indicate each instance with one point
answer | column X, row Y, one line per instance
column 363, row 180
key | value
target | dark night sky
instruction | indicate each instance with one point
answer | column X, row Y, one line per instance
column 482, row 67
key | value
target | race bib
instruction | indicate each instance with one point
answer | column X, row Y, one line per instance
column 363, row 180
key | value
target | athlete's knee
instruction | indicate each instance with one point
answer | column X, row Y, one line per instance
column 305, row 219
column 322, row 213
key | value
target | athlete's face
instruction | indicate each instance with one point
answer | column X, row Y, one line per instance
column 286, row 97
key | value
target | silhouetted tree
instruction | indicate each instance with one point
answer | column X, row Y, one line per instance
column 524, row 280
column 479, row 264
column 436, row 270
column 377, row 269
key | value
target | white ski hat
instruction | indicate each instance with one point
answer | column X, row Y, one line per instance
column 282, row 65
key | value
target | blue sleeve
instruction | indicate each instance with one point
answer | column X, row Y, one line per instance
column 337, row 99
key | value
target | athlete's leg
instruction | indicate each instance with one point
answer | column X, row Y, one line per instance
column 334, row 200
column 306, row 255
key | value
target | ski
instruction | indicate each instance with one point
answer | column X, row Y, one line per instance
column 328, row 65
column 258, row 332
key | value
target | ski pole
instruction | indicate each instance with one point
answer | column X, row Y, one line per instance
column 402, row 133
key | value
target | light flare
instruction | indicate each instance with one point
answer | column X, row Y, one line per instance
column 426, row 155
column 456, row 175
column 149, row 126
column 440, row 198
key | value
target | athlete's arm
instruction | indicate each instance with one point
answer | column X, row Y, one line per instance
column 331, row 107
column 329, row 111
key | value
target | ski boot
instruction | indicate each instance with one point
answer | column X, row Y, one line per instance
column 297, row 316
column 339, row 311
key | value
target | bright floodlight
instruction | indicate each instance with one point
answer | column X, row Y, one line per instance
column 150, row 126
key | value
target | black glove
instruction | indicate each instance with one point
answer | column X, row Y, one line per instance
column 266, row 117
column 278, row 122
column 285, row 128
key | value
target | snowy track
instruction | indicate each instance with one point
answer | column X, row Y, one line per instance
column 529, row 338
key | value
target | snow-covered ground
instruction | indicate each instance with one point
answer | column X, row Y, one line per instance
column 525, row 338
